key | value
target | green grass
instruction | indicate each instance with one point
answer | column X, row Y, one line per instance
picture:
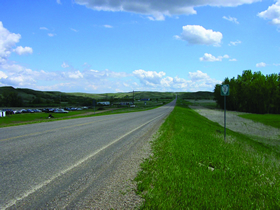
column 193, row 168
column 267, row 119
column 25, row 118
column 28, row 118
column 211, row 104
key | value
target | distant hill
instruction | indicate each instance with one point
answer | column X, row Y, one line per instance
column 29, row 97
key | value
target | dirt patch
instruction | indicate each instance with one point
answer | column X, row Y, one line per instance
column 258, row 131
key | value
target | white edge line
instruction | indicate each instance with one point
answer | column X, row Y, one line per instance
column 37, row 187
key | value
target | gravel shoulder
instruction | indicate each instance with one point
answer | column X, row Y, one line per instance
column 257, row 131
column 120, row 189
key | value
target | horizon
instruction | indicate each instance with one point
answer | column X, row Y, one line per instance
column 88, row 46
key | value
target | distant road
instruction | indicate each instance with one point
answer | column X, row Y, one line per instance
column 53, row 164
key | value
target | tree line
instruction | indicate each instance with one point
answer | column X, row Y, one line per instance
column 251, row 92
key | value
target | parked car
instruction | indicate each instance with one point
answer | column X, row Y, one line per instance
column 60, row 111
column 36, row 110
column 29, row 111
column 17, row 111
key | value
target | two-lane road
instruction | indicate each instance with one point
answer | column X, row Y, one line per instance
column 54, row 164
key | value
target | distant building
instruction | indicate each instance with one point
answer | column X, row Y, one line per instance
column 123, row 103
column 104, row 103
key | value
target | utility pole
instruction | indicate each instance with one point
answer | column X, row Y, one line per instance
column 133, row 97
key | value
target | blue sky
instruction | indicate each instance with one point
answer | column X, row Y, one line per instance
column 95, row 46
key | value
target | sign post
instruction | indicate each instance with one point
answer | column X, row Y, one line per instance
column 225, row 92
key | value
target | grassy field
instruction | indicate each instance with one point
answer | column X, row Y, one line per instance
column 27, row 118
column 267, row 119
column 211, row 104
column 24, row 118
column 193, row 168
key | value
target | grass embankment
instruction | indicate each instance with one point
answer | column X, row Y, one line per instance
column 192, row 167
column 267, row 119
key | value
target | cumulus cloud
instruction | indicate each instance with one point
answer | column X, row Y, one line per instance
column 23, row 50
column 19, row 76
column 51, row 34
column 157, row 10
column 7, row 41
column 210, row 58
column 108, row 26
column 3, row 75
column 231, row 19
column 202, row 81
column 150, row 78
column 195, row 34
column 234, row 43
column 272, row 13
column 74, row 75
column 261, row 64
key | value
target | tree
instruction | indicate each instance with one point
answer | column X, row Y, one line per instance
column 252, row 92
column 11, row 99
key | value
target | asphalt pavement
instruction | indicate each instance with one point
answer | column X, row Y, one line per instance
column 52, row 165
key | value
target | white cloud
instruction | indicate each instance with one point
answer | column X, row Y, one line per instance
column 234, row 43
column 167, row 81
column 272, row 13
column 58, row 1
column 44, row 28
column 23, row 50
column 51, row 34
column 231, row 19
column 92, row 70
column 7, row 41
column 262, row 64
column 233, row 59
column 158, row 9
column 198, row 76
column 210, row 58
column 150, row 78
column 276, row 64
column 74, row 75
column 105, row 74
column 108, row 26
column 19, row 76
column 64, row 65
column 195, row 34
column 3, row 75
column 202, row 81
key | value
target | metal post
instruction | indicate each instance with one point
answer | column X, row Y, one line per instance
column 225, row 118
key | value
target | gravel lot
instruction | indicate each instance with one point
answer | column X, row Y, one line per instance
column 257, row 131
